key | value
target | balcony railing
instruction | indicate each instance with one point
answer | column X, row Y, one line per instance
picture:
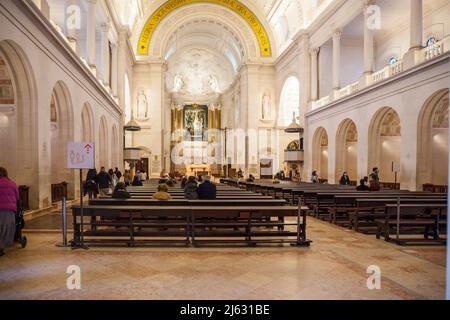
column 387, row 72
column 320, row 103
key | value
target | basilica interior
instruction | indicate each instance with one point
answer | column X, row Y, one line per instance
column 230, row 89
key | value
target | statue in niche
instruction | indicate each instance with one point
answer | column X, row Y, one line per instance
column 178, row 83
column 142, row 106
column 266, row 112
column 213, row 83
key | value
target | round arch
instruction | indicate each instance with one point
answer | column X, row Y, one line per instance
column 384, row 143
column 157, row 15
column 289, row 101
column 432, row 140
column 347, row 150
column 114, row 147
column 87, row 124
column 103, row 143
column 61, row 132
column 320, row 153
column 23, row 116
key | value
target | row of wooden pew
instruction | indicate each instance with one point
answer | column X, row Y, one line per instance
column 235, row 217
column 385, row 213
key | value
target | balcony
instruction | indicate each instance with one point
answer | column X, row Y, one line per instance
column 294, row 156
column 387, row 72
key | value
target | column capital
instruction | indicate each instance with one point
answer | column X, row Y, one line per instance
column 337, row 33
column 105, row 26
column 92, row 2
column 367, row 4
column 314, row 51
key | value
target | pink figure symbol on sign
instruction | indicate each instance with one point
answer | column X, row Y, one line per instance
column 88, row 148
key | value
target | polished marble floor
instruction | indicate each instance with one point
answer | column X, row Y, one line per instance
column 334, row 267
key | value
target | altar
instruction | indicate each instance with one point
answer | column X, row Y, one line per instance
column 198, row 170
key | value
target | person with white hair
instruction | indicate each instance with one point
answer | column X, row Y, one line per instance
column 207, row 190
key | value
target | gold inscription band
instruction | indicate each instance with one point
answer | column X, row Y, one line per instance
column 234, row 5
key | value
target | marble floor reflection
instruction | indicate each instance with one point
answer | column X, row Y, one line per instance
column 334, row 267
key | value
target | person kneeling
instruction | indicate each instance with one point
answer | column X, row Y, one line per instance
column 163, row 193
column 120, row 191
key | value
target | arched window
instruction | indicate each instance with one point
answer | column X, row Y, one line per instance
column 289, row 102
column 127, row 94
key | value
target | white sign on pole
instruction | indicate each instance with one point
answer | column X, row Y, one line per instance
column 80, row 155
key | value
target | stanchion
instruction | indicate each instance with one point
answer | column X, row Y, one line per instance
column 398, row 220
column 81, row 246
column 64, row 223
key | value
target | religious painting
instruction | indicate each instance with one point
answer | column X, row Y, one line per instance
column 195, row 123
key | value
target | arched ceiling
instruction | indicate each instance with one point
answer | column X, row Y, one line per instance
column 272, row 22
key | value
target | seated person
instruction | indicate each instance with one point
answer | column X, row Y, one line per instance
column 163, row 193
column 184, row 181
column 120, row 191
column 362, row 186
column 170, row 183
column 207, row 190
column 191, row 189
column 136, row 182
column 251, row 178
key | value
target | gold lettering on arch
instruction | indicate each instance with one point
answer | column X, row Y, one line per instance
column 169, row 6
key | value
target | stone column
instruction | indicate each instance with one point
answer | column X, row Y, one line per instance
column 412, row 57
column 90, row 37
column 105, row 54
column 114, row 69
column 314, row 74
column 416, row 24
column 368, row 43
column 70, row 22
column 337, row 59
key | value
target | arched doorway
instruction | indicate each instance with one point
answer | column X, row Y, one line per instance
column 384, row 144
column 18, row 110
column 320, row 153
column 103, row 144
column 347, row 150
column 87, row 124
column 61, row 132
column 114, row 147
column 432, row 141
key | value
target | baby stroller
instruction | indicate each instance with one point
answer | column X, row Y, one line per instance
column 20, row 224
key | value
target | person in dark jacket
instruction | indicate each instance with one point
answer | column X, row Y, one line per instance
column 362, row 186
column 91, row 183
column 120, row 191
column 207, row 190
column 345, row 180
column 251, row 178
column 191, row 189
column 183, row 182
column 104, row 182
column 136, row 182
column 118, row 174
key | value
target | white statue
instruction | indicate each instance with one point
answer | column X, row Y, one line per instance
column 198, row 126
column 213, row 83
column 266, row 112
column 142, row 106
column 178, row 83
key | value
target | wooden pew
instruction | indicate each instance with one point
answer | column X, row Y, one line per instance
column 142, row 225
column 413, row 219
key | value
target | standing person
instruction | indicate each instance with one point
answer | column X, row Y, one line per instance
column 118, row 174
column 113, row 178
column 9, row 195
column 104, row 182
column 91, row 183
column 240, row 174
column 345, row 180
column 375, row 180
column 144, row 176
column 315, row 177
column 207, row 190
column 127, row 178
column 191, row 189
